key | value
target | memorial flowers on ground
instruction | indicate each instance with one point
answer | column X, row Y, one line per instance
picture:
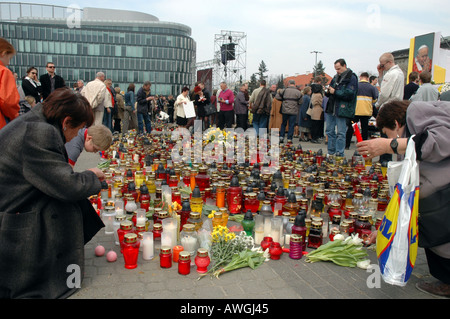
column 229, row 251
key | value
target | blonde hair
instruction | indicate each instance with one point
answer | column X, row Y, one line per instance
column 101, row 136
column 30, row 99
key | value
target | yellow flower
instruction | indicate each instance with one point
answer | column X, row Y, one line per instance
column 211, row 215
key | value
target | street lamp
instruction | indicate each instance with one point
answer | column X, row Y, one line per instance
column 315, row 65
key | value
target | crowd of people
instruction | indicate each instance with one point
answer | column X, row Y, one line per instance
column 44, row 126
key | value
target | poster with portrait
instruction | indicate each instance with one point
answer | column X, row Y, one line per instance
column 425, row 54
column 206, row 76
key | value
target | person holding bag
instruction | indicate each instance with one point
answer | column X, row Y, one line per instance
column 316, row 111
column 428, row 123
column 181, row 100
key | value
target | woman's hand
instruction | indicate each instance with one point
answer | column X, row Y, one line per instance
column 374, row 147
column 372, row 238
column 98, row 172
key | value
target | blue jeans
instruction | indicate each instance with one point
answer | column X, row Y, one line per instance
column 107, row 119
column 260, row 121
column 292, row 120
column 336, row 142
column 144, row 118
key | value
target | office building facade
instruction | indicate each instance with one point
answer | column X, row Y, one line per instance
column 128, row 46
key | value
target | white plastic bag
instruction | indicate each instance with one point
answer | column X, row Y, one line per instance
column 397, row 237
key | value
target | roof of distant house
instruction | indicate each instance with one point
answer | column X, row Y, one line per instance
column 303, row 80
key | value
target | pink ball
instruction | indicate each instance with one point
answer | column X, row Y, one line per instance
column 111, row 256
column 99, row 251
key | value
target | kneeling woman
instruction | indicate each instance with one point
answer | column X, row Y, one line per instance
column 45, row 216
column 430, row 125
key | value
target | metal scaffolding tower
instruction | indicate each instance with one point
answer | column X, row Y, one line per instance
column 230, row 58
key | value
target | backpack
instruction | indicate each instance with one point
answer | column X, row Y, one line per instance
column 262, row 102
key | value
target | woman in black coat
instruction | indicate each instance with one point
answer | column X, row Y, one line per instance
column 31, row 85
column 45, row 216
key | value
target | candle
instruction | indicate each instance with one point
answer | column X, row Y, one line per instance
column 170, row 229
column 166, row 238
column 267, row 226
column 147, row 243
column 140, row 217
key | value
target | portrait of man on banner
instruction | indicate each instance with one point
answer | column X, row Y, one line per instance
column 423, row 53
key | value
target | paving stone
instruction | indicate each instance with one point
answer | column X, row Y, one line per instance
column 276, row 279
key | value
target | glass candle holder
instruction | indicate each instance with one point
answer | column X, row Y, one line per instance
column 184, row 263
column 141, row 219
column 276, row 227
column 169, row 226
column 108, row 217
column 148, row 251
column 259, row 229
column 176, row 252
column 130, row 250
column 295, row 246
column 275, row 251
column 165, row 257
column 202, row 260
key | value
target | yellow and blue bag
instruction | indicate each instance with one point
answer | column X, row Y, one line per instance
column 397, row 237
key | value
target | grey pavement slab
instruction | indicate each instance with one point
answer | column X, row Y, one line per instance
column 276, row 279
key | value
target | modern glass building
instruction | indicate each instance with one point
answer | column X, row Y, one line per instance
column 128, row 46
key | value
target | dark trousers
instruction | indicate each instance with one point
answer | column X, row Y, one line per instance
column 364, row 128
column 242, row 120
column 226, row 119
column 291, row 119
column 316, row 127
column 439, row 266
column 117, row 127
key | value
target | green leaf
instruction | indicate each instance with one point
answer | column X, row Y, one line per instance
column 251, row 264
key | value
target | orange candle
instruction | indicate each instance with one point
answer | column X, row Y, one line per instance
column 220, row 196
column 176, row 252
column 193, row 173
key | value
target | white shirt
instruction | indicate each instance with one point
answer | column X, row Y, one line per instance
column 392, row 86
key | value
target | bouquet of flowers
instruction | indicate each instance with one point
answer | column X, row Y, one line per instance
column 229, row 251
column 346, row 252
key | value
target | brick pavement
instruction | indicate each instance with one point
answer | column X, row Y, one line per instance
column 275, row 279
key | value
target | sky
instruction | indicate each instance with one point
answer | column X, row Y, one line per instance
column 283, row 33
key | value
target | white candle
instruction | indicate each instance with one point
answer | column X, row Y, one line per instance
column 259, row 235
column 189, row 244
column 140, row 221
column 119, row 212
column 267, row 227
column 166, row 239
column 147, row 246
column 275, row 234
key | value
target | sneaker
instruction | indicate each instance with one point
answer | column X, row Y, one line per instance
column 437, row 289
column 281, row 140
column 315, row 141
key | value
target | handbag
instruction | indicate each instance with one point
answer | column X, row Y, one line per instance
column 309, row 111
column 434, row 219
column 210, row 109
column 397, row 236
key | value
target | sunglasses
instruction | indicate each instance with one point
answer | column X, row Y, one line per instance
column 51, row 67
column 33, row 72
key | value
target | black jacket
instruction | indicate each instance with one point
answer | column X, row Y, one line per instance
column 47, row 85
column 44, row 224
column 143, row 106
column 31, row 90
